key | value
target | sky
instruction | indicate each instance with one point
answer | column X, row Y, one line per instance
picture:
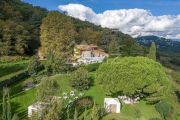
column 134, row 17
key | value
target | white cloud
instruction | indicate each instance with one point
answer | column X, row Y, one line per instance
column 131, row 21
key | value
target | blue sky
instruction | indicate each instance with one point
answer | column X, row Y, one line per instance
column 133, row 17
column 157, row 7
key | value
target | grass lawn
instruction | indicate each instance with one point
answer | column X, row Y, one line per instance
column 10, row 69
column 128, row 112
column 96, row 92
column 22, row 100
column 140, row 111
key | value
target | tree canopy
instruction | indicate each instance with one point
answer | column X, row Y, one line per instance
column 134, row 76
column 19, row 27
column 57, row 34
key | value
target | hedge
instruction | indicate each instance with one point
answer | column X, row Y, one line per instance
column 11, row 79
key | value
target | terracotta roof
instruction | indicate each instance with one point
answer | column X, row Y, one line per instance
column 86, row 47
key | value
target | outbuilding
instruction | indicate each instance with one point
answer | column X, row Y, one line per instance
column 112, row 105
column 35, row 108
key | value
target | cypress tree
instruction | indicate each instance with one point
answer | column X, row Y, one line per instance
column 152, row 51
column 6, row 105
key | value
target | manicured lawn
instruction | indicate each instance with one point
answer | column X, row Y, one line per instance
column 64, row 82
column 128, row 112
column 22, row 100
column 140, row 111
column 10, row 69
column 96, row 92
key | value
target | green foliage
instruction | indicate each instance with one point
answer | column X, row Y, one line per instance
column 47, row 89
column 75, row 114
column 55, row 111
column 6, row 69
column 55, row 65
column 34, row 66
column 137, row 113
column 6, row 105
column 152, row 51
column 80, row 79
column 154, row 119
column 57, row 35
column 134, row 76
column 165, row 109
column 175, row 61
column 89, row 36
column 113, row 47
column 19, row 32
column 15, row 117
column 83, row 103
column 92, row 67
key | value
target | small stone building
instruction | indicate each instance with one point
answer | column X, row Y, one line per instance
column 112, row 105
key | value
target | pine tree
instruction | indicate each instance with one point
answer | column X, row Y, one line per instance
column 152, row 51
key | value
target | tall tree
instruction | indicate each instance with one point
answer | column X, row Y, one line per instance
column 89, row 35
column 20, row 23
column 152, row 51
column 6, row 105
column 34, row 67
column 57, row 34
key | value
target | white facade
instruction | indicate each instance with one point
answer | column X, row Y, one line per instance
column 112, row 105
column 86, row 54
column 90, row 60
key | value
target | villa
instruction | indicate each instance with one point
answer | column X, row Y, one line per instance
column 87, row 54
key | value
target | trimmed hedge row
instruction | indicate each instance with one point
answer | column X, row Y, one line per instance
column 13, row 79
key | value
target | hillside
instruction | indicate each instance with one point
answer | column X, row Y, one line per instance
column 20, row 31
column 166, row 47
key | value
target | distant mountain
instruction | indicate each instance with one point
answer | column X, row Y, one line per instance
column 165, row 46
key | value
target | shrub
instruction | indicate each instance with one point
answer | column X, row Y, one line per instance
column 14, row 78
column 34, row 66
column 80, row 79
column 80, row 105
column 165, row 109
column 84, row 102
